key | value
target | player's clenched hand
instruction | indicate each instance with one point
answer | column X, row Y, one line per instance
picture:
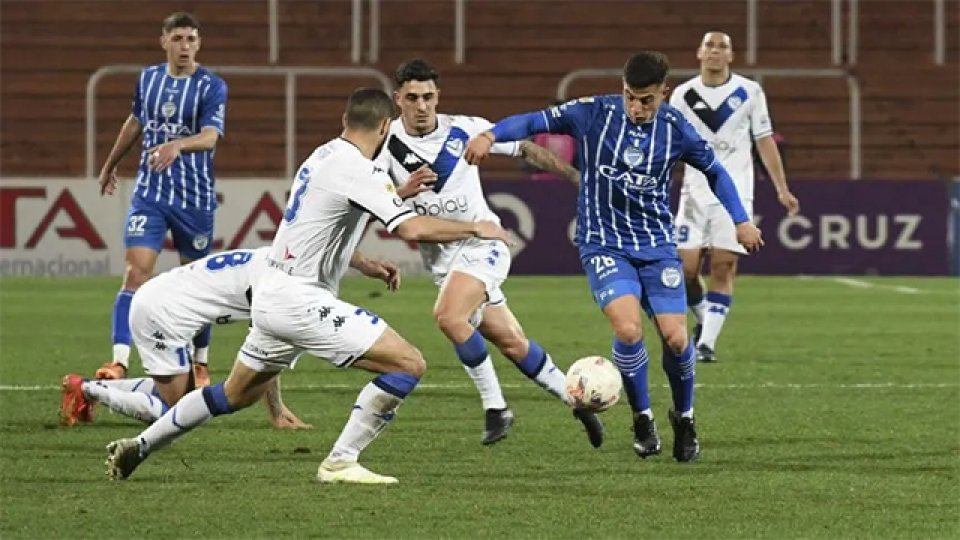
column 479, row 147
column 790, row 202
column 419, row 181
column 748, row 235
column 163, row 156
column 287, row 420
column 490, row 230
column 108, row 181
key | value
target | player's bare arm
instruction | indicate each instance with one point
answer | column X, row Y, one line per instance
column 430, row 229
column 545, row 160
column 128, row 136
column 280, row 416
column 770, row 155
column 380, row 269
column 479, row 147
column 163, row 156
column 419, row 181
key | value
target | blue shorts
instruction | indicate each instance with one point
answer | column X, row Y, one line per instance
column 147, row 225
column 658, row 284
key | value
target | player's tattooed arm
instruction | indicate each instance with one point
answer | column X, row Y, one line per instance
column 280, row 416
column 546, row 160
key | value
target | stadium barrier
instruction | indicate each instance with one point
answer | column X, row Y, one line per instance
column 62, row 227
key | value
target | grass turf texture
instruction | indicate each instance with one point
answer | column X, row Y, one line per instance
column 834, row 412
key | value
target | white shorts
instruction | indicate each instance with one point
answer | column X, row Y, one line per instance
column 162, row 336
column 707, row 226
column 486, row 260
column 297, row 319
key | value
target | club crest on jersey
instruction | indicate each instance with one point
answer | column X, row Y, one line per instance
column 454, row 146
column 734, row 102
column 671, row 277
column 632, row 156
column 168, row 109
column 200, row 242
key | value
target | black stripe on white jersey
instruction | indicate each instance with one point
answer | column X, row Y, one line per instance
column 402, row 154
column 386, row 223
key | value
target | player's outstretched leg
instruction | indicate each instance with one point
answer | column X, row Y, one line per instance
column 138, row 400
column 632, row 361
column 476, row 361
column 400, row 366
column 458, row 305
column 501, row 327
column 243, row 387
column 374, row 409
column 680, row 372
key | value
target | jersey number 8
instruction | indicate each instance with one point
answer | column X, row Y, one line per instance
column 229, row 260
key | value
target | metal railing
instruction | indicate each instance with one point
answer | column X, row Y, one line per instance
column 758, row 74
column 290, row 73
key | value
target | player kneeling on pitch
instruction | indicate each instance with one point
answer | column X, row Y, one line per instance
column 165, row 315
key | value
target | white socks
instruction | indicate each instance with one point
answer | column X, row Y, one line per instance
column 372, row 412
column 485, row 378
column 132, row 403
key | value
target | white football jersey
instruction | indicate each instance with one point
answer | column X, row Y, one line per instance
column 457, row 194
column 214, row 289
column 335, row 192
column 730, row 117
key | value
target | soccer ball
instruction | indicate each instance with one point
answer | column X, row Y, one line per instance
column 594, row 383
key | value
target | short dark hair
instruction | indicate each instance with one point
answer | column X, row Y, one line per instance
column 180, row 19
column 367, row 108
column 417, row 69
column 646, row 68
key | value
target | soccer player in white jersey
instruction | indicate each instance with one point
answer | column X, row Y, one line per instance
column 166, row 313
column 179, row 108
column 295, row 307
column 470, row 307
column 730, row 112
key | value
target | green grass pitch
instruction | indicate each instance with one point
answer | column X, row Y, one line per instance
column 834, row 412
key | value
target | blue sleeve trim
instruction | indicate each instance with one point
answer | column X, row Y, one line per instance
column 723, row 186
column 519, row 126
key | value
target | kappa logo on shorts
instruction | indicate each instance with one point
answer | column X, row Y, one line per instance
column 671, row 277
column 200, row 242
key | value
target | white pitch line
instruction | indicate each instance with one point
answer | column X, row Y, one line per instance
column 457, row 386
column 861, row 284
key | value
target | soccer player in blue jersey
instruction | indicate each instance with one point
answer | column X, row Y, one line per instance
column 179, row 108
column 627, row 147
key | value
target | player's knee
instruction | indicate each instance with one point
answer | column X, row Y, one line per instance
column 675, row 338
column 134, row 276
column 448, row 321
column 723, row 270
column 411, row 361
column 628, row 330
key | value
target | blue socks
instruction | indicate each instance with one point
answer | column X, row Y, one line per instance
column 216, row 399
column 121, row 317
column 473, row 351
column 533, row 363
column 680, row 373
column 396, row 383
column 632, row 360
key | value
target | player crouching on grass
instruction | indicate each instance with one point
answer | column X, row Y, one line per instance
column 166, row 313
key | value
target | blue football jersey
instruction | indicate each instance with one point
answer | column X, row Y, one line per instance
column 624, row 197
column 170, row 108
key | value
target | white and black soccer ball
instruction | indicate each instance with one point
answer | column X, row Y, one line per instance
column 594, row 383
